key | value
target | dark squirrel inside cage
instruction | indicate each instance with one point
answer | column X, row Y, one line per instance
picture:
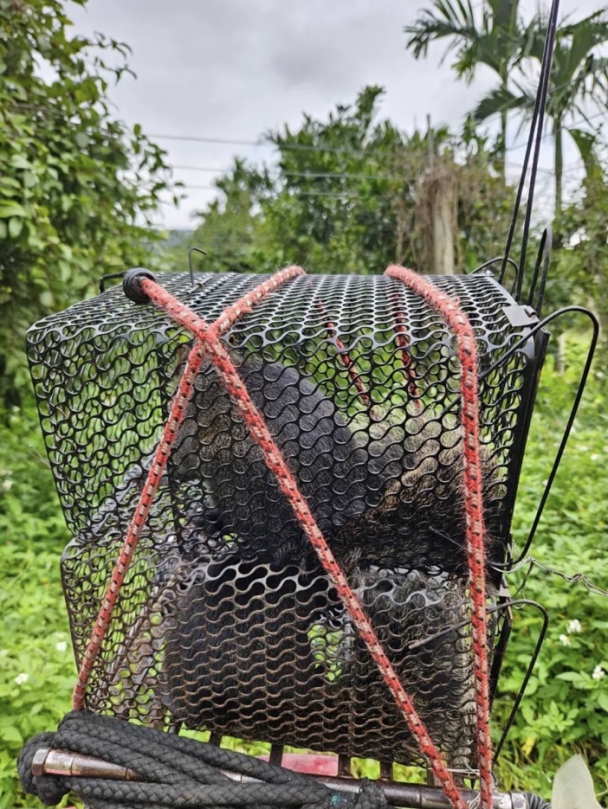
column 256, row 638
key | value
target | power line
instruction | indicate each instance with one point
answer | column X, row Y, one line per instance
column 201, row 139
column 550, row 135
column 298, row 147
column 313, row 175
column 323, row 174
column 293, row 194
column 310, row 148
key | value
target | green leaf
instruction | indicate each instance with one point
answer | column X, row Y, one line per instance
column 569, row 676
column 29, row 179
column 46, row 299
column 602, row 701
column 10, row 734
column 19, row 161
column 82, row 140
column 15, row 226
column 9, row 208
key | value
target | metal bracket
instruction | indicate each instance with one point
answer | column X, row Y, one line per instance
column 520, row 315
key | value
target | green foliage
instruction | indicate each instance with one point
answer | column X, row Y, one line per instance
column 36, row 666
column 490, row 38
column 76, row 185
column 566, row 706
column 493, row 37
column 578, row 83
column 582, row 269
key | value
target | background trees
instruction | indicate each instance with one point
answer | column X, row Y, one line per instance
column 350, row 194
column 493, row 37
column 78, row 190
column 578, row 84
column 496, row 36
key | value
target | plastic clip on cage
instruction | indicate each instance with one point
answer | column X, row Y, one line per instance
column 226, row 620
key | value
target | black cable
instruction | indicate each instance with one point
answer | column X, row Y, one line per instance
column 543, row 91
column 535, row 132
column 536, row 802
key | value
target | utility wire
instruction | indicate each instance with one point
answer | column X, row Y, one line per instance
column 306, row 148
column 310, row 174
column 550, row 134
column 575, row 578
column 298, row 147
column 337, row 175
column 345, row 193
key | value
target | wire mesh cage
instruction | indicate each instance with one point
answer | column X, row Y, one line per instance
column 226, row 621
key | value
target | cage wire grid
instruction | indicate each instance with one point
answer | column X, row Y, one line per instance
column 225, row 621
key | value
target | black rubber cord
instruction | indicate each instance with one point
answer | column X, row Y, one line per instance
column 178, row 772
column 536, row 802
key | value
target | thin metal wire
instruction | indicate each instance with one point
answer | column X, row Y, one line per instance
column 570, row 422
column 543, row 257
column 574, row 578
column 495, row 260
column 108, row 277
column 544, row 87
column 535, row 127
column 521, row 693
column 190, row 266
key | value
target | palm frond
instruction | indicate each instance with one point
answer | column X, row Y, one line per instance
column 586, row 143
column 505, row 13
column 446, row 18
column 501, row 100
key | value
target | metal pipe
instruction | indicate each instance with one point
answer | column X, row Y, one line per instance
column 407, row 796
column 64, row 762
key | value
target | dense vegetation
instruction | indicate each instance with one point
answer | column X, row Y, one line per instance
column 347, row 194
column 77, row 187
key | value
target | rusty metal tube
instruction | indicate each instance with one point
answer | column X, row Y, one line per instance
column 409, row 796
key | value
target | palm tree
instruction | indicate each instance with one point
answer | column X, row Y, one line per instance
column 496, row 39
column 578, row 85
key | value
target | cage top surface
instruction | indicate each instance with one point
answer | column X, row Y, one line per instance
column 352, row 304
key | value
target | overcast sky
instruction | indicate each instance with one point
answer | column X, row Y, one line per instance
column 232, row 69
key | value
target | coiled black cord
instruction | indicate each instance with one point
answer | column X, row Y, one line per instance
column 536, row 802
column 178, row 772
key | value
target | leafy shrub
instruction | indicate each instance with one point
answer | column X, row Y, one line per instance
column 36, row 666
column 566, row 705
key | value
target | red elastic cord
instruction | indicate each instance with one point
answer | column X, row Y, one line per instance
column 408, row 363
column 345, row 358
column 159, row 462
column 288, row 485
column 458, row 322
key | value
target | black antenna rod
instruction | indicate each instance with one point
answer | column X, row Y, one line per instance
column 536, row 130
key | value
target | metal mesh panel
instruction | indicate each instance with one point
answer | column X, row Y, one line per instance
column 226, row 620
